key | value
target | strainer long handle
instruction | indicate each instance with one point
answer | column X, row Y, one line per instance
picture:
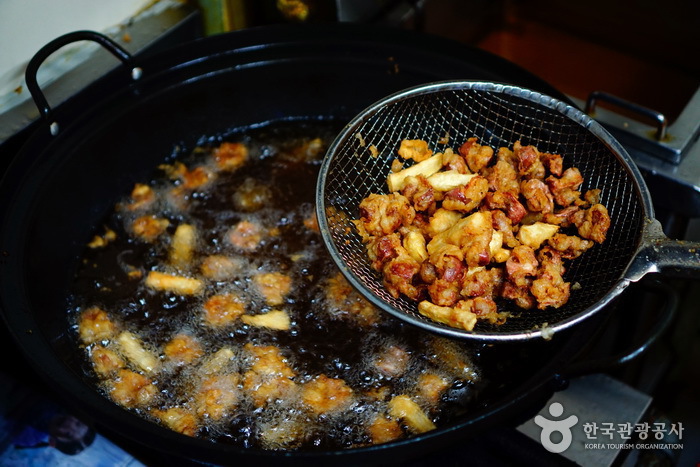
column 678, row 258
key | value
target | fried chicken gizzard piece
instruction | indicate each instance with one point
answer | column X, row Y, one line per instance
column 460, row 230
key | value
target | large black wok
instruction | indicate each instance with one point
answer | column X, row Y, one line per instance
column 117, row 130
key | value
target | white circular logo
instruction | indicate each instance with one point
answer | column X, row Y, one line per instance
column 550, row 426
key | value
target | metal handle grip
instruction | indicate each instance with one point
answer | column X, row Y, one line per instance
column 658, row 253
column 658, row 117
column 43, row 53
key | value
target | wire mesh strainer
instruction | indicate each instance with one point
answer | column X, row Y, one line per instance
column 497, row 115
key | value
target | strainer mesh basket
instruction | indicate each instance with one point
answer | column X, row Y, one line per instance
column 496, row 115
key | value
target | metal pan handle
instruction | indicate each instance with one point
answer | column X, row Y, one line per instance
column 30, row 75
column 659, row 118
column 658, row 253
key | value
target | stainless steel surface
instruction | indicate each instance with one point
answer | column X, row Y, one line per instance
column 596, row 401
column 670, row 167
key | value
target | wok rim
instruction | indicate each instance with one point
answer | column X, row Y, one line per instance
column 25, row 330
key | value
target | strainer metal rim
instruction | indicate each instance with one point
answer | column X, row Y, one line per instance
column 566, row 110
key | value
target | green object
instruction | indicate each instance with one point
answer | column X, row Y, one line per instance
column 222, row 15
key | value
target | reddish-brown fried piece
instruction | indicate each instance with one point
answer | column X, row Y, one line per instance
column 529, row 164
column 565, row 189
column 384, row 214
column 593, row 223
column 569, row 246
column 506, row 202
column 323, row 394
column 223, row 309
column 476, row 155
column 95, row 325
column 481, row 229
column 467, row 197
column 537, row 195
column 549, row 288
column 230, row 156
column 132, row 389
column 420, row 193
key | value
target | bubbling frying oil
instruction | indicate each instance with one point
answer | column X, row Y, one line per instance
column 237, row 327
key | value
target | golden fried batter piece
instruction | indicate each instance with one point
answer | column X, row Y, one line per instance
column 431, row 386
column 529, row 164
column 95, row 325
column 467, row 197
column 217, row 396
column 132, row 389
column 420, row 193
column 470, row 235
column 383, row 429
column 246, row 235
column 593, row 223
column 217, row 362
column 552, row 162
column 252, row 196
column 482, row 282
column 183, row 349
column 456, row 317
column 549, row 288
column 415, row 149
column 142, row 197
column 230, row 156
column 454, row 161
column 506, row 202
column 534, row 235
column 178, row 419
column 503, row 177
column 284, row 432
column 324, row 395
column 134, row 350
column 223, row 309
column 348, row 302
column 273, row 286
column 149, row 227
column 311, row 222
column 454, row 358
column 569, row 246
column 306, row 151
column 182, row 245
column 100, row 241
column 105, row 362
column 405, row 409
column 278, row 320
column 190, row 179
column 565, row 189
column 220, row 267
column 392, row 361
column 269, row 377
column 476, row 155
column 398, row 274
column 384, row 214
column 537, row 195
column 176, row 284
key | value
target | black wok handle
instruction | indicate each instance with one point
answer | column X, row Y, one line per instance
column 665, row 317
column 43, row 53
column 660, row 254
column 658, row 117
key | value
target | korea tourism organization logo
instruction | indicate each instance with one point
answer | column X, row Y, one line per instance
column 549, row 427
column 557, row 433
